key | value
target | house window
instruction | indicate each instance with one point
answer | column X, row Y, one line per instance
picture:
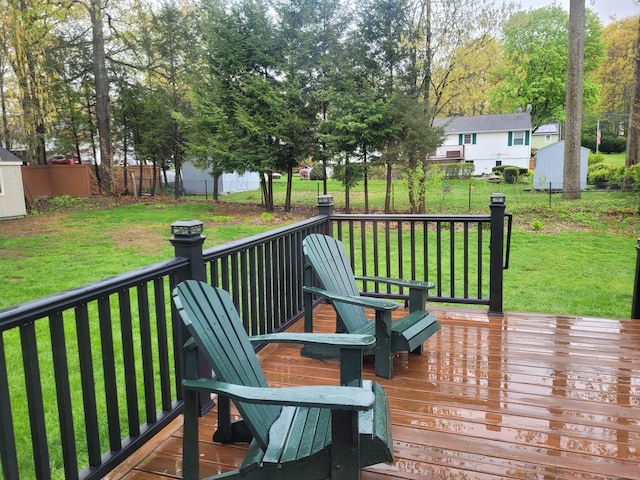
column 498, row 163
column 467, row 139
column 547, row 138
column 1, row 183
column 518, row 138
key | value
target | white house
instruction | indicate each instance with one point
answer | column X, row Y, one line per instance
column 545, row 135
column 548, row 170
column 199, row 182
column 12, row 203
column 487, row 141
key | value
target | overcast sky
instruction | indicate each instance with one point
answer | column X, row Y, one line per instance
column 606, row 9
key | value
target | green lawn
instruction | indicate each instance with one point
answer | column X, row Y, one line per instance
column 568, row 257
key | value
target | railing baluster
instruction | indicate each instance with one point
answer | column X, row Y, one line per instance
column 465, row 250
column 439, row 258
column 269, row 288
column 87, row 379
column 400, row 273
column 131, row 387
column 109, row 372
column 63, row 393
column 452, row 259
column 33, row 387
column 8, row 454
column 148, row 374
column 243, row 306
column 263, row 294
column 253, row 300
column 163, row 344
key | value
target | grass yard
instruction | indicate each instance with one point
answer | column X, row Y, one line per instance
column 568, row 257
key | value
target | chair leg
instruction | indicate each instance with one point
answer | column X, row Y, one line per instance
column 345, row 445
column 384, row 358
column 190, row 444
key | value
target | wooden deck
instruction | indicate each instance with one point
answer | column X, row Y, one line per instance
column 524, row 396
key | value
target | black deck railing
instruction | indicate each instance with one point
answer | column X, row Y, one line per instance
column 114, row 348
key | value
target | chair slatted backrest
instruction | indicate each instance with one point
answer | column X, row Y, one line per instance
column 214, row 323
column 328, row 258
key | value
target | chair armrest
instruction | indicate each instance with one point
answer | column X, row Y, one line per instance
column 399, row 282
column 366, row 302
column 331, row 397
column 340, row 340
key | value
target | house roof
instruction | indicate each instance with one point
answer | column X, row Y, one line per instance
column 485, row 123
column 7, row 156
column 550, row 128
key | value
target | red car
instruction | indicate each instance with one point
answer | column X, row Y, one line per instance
column 69, row 159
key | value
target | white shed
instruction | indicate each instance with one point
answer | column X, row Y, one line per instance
column 548, row 169
column 200, row 182
column 12, row 203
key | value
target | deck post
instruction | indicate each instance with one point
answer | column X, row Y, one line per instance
column 635, row 305
column 325, row 208
column 496, row 246
column 187, row 240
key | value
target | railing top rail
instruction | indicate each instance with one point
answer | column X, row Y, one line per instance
column 382, row 217
column 255, row 240
column 20, row 314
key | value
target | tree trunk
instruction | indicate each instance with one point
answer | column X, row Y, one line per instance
column 366, row 179
column 633, row 133
column 573, row 106
column 287, row 201
column 102, row 96
column 387, row 197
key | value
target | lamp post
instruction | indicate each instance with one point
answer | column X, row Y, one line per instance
column 496, row 245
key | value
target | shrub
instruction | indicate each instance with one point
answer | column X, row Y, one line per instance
column 457, row 170
column 499, row 170
column 606, row 176
column 595, row 158
column 511, row 174
column 317, row 172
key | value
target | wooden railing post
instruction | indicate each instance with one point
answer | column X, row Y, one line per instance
column 496, row 246
column 635, row 305
column 187, row 240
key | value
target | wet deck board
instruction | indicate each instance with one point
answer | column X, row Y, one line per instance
column 521, row 396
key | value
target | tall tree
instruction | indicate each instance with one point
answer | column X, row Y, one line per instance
column 103, row 104
column 465, row 53
column 242, row 60
column 633, row 137
column 28, row 35
column 616, row 71
column 575, row 75
column 535, row 72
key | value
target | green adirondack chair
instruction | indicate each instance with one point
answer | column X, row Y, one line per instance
column 326, row 257
column 311, row 432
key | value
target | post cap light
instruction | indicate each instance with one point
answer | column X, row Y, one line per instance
column 498, row 199
column 187, row 228
column 325, row 200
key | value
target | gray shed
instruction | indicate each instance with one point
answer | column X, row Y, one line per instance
column 548, row 169
column 200, row 182
column 12, row 203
